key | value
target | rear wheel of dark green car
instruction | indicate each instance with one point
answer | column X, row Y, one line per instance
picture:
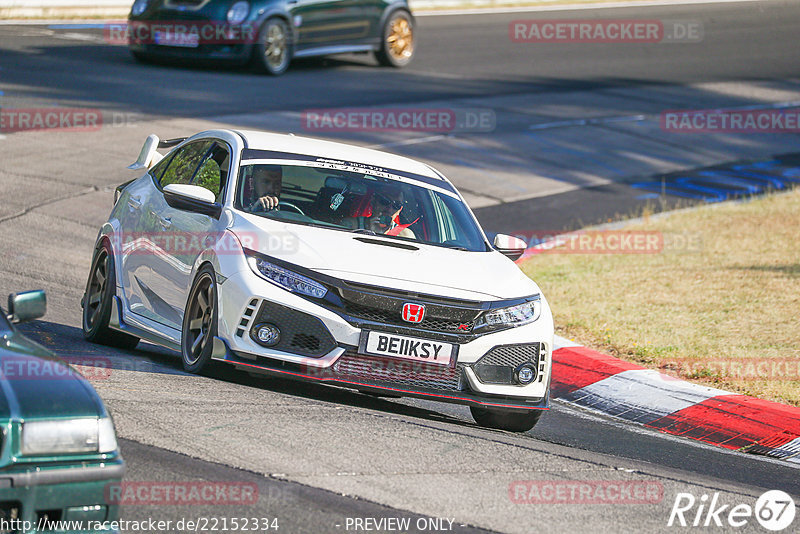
column 273, row 51
column 397, row 40
column 516, row 421
column 200, row 323
column 100, row 291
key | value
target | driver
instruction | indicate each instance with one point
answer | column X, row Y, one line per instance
column 266, row 182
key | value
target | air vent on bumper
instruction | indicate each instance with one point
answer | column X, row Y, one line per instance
column 502, row 364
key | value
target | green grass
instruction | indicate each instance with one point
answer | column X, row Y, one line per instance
column 734, row 299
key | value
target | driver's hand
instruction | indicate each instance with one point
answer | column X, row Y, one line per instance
column 265, row 203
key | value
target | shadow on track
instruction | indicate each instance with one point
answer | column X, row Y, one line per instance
column 67, row 342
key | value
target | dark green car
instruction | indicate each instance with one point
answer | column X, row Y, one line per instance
column 271, row 32
column 59, row 450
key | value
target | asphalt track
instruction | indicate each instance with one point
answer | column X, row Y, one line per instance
column 320, row 454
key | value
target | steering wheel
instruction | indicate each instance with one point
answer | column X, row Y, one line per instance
column 284, row 204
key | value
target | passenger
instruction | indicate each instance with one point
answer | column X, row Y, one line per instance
column 386, row 208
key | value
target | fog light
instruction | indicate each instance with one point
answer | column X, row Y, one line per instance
column 525, row 374
column 266, row 334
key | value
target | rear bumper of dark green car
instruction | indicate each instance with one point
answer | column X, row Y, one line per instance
column 67, row 498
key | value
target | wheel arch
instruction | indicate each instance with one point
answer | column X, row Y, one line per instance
column 390, row 10
column 207, row 257
column 108, row 233
column 276, row 13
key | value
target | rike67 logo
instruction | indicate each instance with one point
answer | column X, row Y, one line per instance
column 774, row 510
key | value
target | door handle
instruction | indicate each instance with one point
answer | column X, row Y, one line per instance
column 135, row 202
column 165, row 222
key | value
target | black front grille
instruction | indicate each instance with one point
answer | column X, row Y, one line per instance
column 301, row 333
column 393, row 316
column 369, row 369
column 382, row 306
column 497, row 366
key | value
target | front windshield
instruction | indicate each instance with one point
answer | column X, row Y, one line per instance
column 357, row 202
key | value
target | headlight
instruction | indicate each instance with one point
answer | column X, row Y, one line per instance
column 138, row 7
column 286, row 278
column 68, row 436
column 238, row 12
column 518, row 315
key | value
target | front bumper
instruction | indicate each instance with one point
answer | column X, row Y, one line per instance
column 211, row 38
column 243, row 294
column 35, row 495
column 234, row 53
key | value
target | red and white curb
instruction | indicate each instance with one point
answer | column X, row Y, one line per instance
column 593, row 380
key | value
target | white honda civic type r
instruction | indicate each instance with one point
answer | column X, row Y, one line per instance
column 324, row 262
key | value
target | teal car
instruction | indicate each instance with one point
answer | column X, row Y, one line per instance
column 59, row 450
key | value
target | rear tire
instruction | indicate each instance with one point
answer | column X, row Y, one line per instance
column 274, row 49
column 515, row 421
column 100, row 291
column 397, row 40
column 200, row 323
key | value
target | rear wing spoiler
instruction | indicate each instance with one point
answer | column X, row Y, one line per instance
column 149, row 156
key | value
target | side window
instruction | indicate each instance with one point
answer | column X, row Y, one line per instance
column 213, row 171
column 158, row 168
column 183, row 165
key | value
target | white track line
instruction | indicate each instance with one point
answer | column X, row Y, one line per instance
column 642, row 395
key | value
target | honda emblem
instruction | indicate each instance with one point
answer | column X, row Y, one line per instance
column 413, row 313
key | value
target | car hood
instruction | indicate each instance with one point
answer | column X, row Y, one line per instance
column 374, row 260
column 34, row 384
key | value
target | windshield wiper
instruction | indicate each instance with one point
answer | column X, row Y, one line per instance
column 362, row 231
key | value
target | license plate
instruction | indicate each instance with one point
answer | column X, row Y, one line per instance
column 408, row 348
column 185, row 40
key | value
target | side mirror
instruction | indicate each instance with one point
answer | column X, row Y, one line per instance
column 510, row 246
column 26, row 306
column 192, row 198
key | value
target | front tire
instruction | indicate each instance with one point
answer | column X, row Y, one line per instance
column 397, row 40
column 516, row 421
column 274, row 49
column 200, row 323
column 97, row 298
